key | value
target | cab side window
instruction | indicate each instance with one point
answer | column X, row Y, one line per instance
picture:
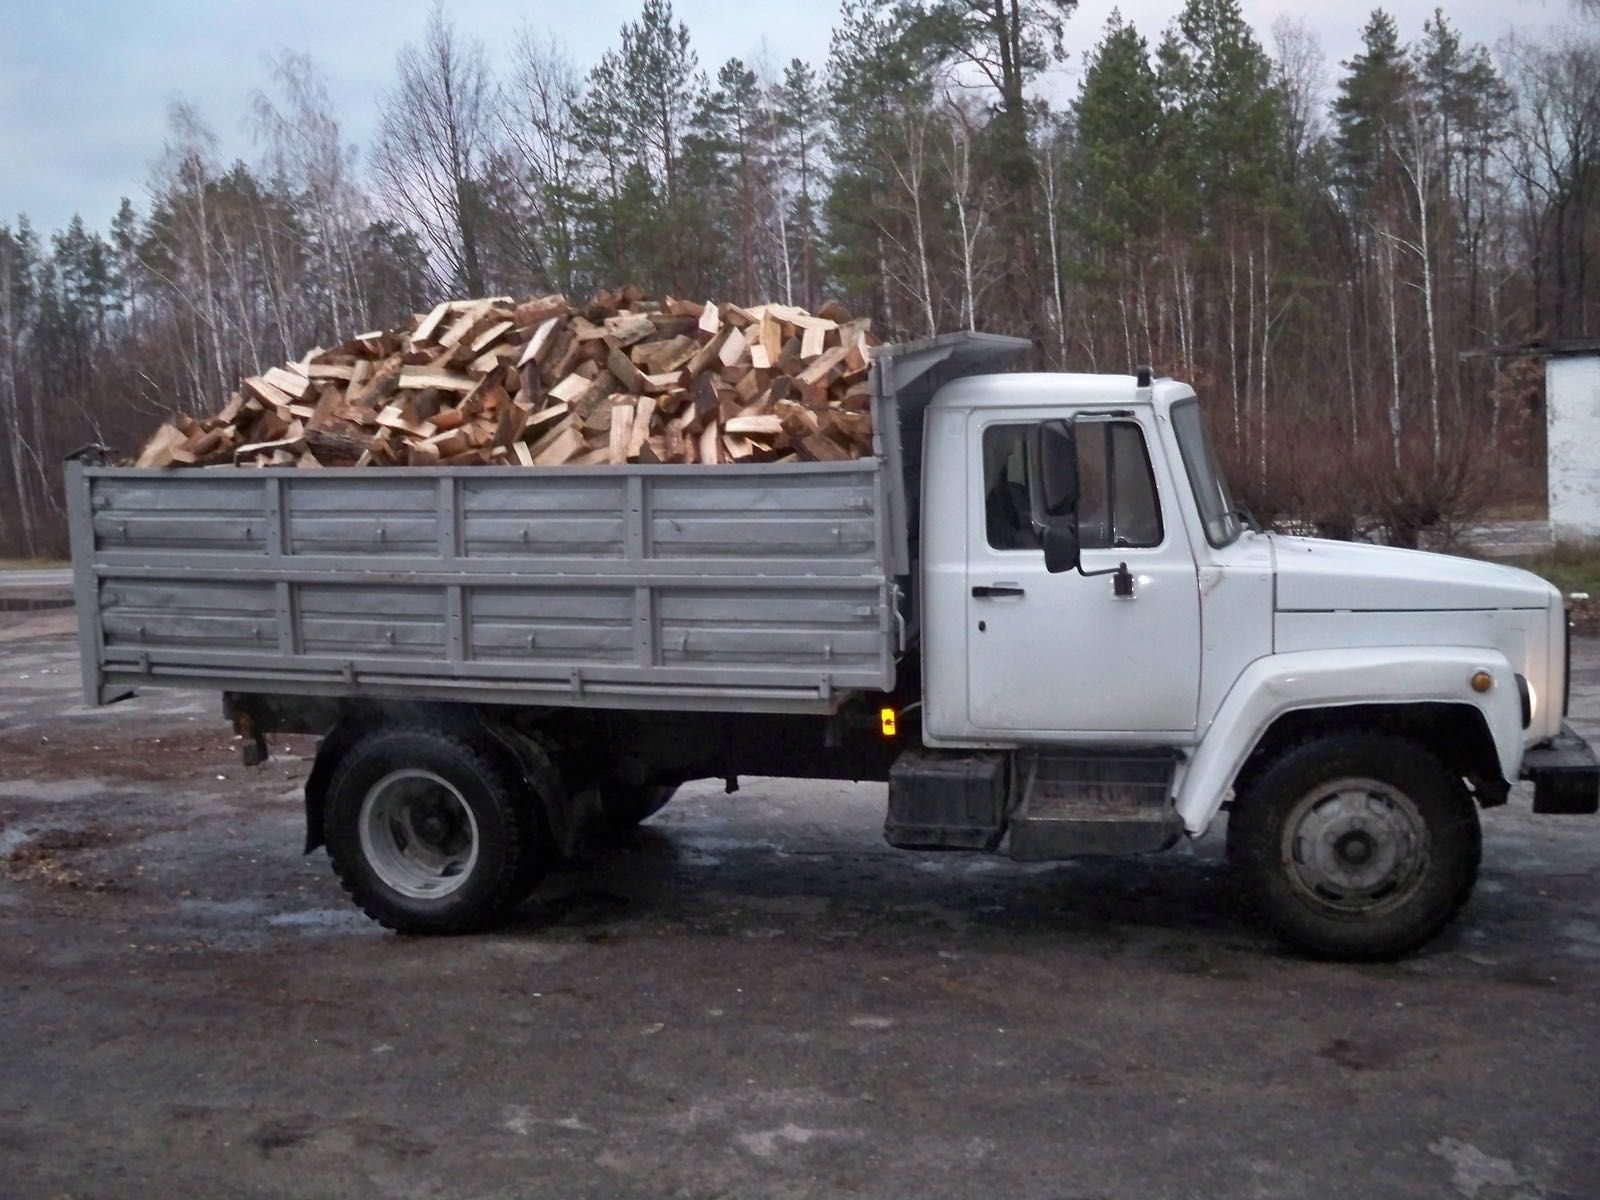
column 1117, row 502
column 1118, row 506
column 1008, row 512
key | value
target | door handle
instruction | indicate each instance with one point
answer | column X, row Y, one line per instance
column 996, row 589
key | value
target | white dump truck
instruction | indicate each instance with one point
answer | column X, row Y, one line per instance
column 1035, row 612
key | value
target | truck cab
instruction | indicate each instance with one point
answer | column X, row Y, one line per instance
column 1096, row 606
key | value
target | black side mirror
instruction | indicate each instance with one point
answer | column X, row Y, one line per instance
column 1055, row 466
column 1061, row 546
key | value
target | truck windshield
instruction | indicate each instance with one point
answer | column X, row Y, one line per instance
column 1217, row 509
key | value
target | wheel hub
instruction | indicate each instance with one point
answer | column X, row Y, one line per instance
column 1355, row 845
column 418, row 834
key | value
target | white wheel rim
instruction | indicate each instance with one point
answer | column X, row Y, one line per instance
column 418, row 834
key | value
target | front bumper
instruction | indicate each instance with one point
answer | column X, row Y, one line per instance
column 1565, row 774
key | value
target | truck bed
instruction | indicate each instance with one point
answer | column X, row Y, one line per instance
column 736, row 587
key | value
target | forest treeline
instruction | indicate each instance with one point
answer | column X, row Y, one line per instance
column 1312, row 244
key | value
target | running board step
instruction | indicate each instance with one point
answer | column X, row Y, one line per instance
column 1071, row 805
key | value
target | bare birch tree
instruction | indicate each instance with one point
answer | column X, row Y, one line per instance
column 433, row 140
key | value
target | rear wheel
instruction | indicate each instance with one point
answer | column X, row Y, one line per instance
column 1357, row 845
column 427, row 830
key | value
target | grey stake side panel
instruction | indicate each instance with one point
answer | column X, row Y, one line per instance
column 639, row 587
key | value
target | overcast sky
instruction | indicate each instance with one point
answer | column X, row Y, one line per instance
column 86, row 84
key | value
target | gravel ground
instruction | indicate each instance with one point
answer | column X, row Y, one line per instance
column 754, row 996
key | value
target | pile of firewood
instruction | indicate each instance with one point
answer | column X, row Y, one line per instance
column 545, row 383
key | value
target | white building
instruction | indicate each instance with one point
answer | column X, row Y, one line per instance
column 1572, row 427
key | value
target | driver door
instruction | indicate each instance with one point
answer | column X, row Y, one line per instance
column 1058, row 655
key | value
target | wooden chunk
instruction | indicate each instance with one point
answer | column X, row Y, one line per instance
column 759, row 426
column 267, row 392
column 627, row 328
column 570, row 388
column 491, row 335
column 733, row 349
column 524, row 453
column 711, row 443
column 627, row 374
column 158, row 451
column 621, row 433
column 851, row 332
column 544, row 418
column 395, row 417
column 292, row 382
column 813, row 341
column 710, row 319
column 340, row 371
column 708, row 353
column 425, row 377
column 644, row 411
column 539, row 344
column 564, row 445
column 539, row 310
column 462, row 325
column 825, row 364
column 425, row 329
column 771, row 337
column 820, row 447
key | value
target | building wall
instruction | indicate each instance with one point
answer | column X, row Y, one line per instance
column 1572, row 413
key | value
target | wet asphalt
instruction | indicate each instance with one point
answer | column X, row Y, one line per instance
column 752, row 996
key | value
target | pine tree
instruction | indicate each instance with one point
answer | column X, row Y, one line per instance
column 800, row 126
column 661, row 91
column 1372, row 93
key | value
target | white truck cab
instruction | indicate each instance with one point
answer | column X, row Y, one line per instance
column 1089, row 585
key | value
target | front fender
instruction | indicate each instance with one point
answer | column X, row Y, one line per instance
column 1317, row 679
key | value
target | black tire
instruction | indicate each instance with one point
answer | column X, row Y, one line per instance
column 469, row 797
column 543, row 791
column 1363, row 873
column 626, row 808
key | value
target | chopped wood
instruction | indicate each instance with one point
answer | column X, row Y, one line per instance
column 292, row 382
column 621, row 433
column 564, row 445
column 624, row 329
column 158, row 450
column 570, row 388
column 463, row 324
column 643, row 412
column 760, row 426
column 491, row 335
column 540, row 309
column 733, row 349
column 545, row 382
column 627, row 374
column 425, row 329
column 825, row 363
column 425, row 377
column 539, row 342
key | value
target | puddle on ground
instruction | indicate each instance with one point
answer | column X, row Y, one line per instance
column 334, row 920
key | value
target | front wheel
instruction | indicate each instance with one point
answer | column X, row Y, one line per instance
column 1356, row 846
column 427, row 830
